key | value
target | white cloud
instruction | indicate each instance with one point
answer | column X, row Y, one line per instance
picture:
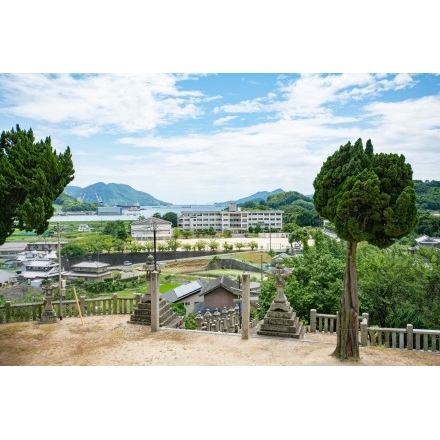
column 223, row 121
column 105, row 102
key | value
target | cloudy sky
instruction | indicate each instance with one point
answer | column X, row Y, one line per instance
column 190, row 138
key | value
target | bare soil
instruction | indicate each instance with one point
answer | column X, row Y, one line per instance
column 112, row 341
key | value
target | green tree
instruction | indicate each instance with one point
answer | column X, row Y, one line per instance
column 171, row 217
column 116, row 229
column 32, row 176
column 298, row 235
column 213, row 244
column 368, row 197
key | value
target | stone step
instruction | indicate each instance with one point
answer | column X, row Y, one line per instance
column 279, row 328
column 280, row 335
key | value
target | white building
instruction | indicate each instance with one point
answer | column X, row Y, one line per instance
column 234, row 220
column 143, row 230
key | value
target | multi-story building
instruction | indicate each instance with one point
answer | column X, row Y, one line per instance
column 144, row 229
column 234, row 220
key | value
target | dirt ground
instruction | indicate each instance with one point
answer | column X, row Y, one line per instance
column 112, row 341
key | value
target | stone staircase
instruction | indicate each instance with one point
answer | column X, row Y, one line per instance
column 167, row 317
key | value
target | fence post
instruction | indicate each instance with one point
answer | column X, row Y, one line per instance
column 82, row 304
column 313, row 321
column 115, row 303
column 246, row 307
column 364, row 332
column 8, row 310
column 409, row 337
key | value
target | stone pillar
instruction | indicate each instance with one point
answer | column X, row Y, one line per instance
column 364, row 333
column 313, row 321
column 409, row 337
column 8, row 310
column 82, row 303
column 115, row 303
column 199, row 321
column 155, row 301
column 216, row 320
column 245, row 306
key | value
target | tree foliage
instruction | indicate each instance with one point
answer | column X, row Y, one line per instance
column 116, row 229
column 368, row 197
column 316, row 279
column 32, row 176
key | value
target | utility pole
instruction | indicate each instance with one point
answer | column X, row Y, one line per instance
column 60, row 281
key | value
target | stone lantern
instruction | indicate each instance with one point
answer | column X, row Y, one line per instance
column 149, row 268
column 48, row 315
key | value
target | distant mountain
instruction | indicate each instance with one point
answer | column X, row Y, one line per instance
column 261, row 195
column 113, row 194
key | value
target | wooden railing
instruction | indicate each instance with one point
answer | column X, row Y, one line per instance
column 69, row 308
column 397, row 338
column 402, row 338
column 325, row 323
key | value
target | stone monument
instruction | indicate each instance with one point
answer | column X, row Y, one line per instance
column 281, row 319
column 142, row 313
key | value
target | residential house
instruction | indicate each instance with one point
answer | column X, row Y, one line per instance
column 84, row 228
column 143, row 230
column 45, row 246
column 427, row 241
column 89, row 271
column 10, row 250
column 221, row 292
column 187, row 294
column 40, row 269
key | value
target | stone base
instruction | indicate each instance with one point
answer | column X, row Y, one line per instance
column 282, row 324
column 48, row 317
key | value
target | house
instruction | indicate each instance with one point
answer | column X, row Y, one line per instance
column 40, row 269
column 143, row 230
column 84, row 228
column 89, row 271
column 425, row 240
column 221, row 292
column 186, row 294
column 10, row 250
column 45, row 246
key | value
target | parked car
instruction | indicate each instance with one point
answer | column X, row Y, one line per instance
column 127, row 263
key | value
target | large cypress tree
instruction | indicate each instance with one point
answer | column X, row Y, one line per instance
column 32, row 176
column 368, row 197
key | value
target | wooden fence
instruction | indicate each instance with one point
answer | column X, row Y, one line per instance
column 89, row 307
column 397, row 338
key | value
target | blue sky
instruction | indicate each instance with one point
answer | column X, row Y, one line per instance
column 202, row 138
column 208, row 137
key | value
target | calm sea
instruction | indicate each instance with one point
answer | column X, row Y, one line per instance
column 145, row 211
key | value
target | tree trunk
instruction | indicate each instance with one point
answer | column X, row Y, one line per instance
column 348, row 324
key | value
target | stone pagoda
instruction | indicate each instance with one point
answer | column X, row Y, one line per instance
column 142, row 313
column 281, row 319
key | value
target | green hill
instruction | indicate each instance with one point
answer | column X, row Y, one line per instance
column 112, row 194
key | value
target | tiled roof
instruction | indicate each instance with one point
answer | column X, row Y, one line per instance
column 222, row 281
